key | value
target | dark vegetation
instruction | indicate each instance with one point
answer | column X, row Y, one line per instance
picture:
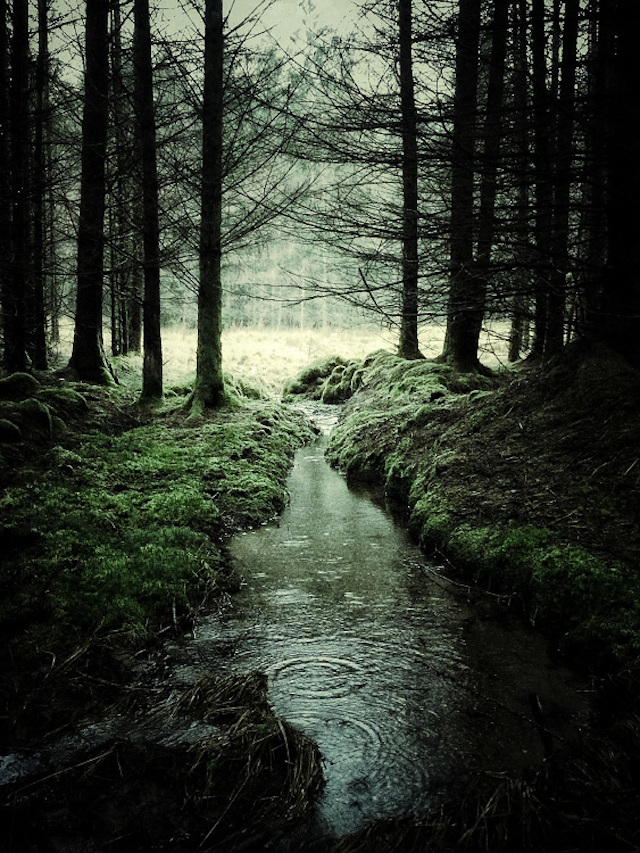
column 114, row 518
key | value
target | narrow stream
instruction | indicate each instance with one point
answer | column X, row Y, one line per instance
column 374, row 655
column 407, row 682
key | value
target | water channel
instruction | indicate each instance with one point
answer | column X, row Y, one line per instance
column 376, row 656
column 408, row 682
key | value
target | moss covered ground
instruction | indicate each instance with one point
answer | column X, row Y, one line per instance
column 113, row 523
column 527, row 481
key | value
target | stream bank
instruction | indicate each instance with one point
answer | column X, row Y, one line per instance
column 526, row 483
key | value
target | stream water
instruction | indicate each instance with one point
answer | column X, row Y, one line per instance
column 407, row 682
column 377, row 657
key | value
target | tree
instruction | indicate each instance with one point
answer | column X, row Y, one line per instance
column 152, row 365
column 465, row 297
column 18, row 284
column 41, row 144
column 408, row 343
column 6, row 290
column 88, row 359
column 621, row 288
column 209, row 385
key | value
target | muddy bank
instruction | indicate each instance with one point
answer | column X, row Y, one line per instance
column 527, row 481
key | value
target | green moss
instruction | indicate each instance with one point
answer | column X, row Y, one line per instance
column 127, row 528
column 9, row 432
column 64, row 400
column 311, row 381
column 18, row 386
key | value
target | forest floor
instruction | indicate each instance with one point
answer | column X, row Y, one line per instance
column 527, row 482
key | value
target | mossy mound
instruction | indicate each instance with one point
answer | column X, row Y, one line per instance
column 10, row 432
column 311, row 381
column 18, row 386
column 127, row 532
column 534, row 487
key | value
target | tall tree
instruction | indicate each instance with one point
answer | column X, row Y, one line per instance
column 88, row 359
column 543, row 152
column 563, row 182
column 461, row 343
column 6, row 297
column 152, row 364
column 15, row 304
column 209, row 385
column 41, row 143
column 408, row 343
column 621, row 297
column 491, row 140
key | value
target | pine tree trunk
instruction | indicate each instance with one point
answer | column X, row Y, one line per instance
column 88, row 359
column 461, row 344
column 621, row 297
column 408, row 344
column 209, row 386
column 543, row 187
column 554, row 339
column 40, row 161
column 15, row 305
column 491, row 144
column 5, row 188
column 152, row 364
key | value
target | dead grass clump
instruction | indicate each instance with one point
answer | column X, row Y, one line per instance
column 255, row 777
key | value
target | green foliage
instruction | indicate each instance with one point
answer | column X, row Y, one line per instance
column 124, row 532
column 429, row 521
column 18, row 386
column 588, row 604
column 311, row 381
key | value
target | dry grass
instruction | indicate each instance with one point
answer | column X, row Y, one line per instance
column 268, row 358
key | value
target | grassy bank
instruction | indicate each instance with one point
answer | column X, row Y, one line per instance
column 113, row 524
column 527, row 481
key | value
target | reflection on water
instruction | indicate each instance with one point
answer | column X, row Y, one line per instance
column 362, row 652
column 370, row 653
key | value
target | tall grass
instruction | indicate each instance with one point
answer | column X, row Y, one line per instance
column 268, row 358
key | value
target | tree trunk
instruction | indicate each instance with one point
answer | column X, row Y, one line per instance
column 621, row 296
column 543, row 188
column 491, row 143
column 408, row 345
column 88, row 359
column 152, row 364
column 593, row 221
column 39, row 194
column 520, row 301
column 554, row 339
column 6, row 296
column 209, row 385
column 15, row 306
column 461, row 344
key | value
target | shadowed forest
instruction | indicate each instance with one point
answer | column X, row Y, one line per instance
column 223, row 226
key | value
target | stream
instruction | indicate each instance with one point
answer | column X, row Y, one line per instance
column 408, row 682
column 377, row 657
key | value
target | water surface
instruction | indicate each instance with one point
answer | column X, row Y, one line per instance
column 371, row 653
